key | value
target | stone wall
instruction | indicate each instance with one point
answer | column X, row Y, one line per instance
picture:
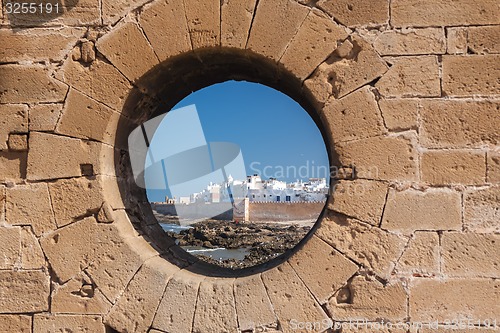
column 282, row 211
column 406, row 93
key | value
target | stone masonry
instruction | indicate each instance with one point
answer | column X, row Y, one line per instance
column 407, row 93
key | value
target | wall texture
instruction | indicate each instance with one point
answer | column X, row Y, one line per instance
column 407, row 94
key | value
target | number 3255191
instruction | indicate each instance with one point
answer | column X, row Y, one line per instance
column 31, row 8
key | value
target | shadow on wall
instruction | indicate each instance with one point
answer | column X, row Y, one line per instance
column 23, row 14
column 160, row 90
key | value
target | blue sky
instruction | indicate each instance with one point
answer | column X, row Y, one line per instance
column 272, row 130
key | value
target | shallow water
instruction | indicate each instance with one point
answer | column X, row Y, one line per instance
column 174, row 227
column 218, row 253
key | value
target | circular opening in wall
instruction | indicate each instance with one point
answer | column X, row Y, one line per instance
column 237, row 173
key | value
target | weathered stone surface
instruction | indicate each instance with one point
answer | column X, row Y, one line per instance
column 253, row 306
column 362, row 199
column 176, row 310
column 452, row 328
column 432, row 299
column 482, row 210
column 422, row 13
column 369, row 246
column 316, row 39
column 114, row 10
column 351, row 66
column 369, row 300
column 203, row 20
column 484, row 39
column 164, row 16
column 43, row 117
column 421, row 255
column 413, row 76
column 381, row 158
column 493, row 167
column 15, row 323
column 236, row 19
column 456, row 41
column 136, row 308
column 123, row 46
column 471, row 255
column 100, row 80
column 78, row 296
column 399, row 114
column 38, row 44
column 24, row 291
column 29, row 84
column 12, row 166
column 357, row 13
column 13, row 119
column 323, row 269
column 411, row 42
column 18, row 142
column 443, row 167
column 284, row 18
column 84, row 118
column 10, row 247
column 471, row 75
column 43, row 323
column 290, row 298
column 411, row 210
column 459, row 123
column 32, row 256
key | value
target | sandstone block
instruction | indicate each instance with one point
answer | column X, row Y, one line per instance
column 100, row 81
column 450, row 329
column 10, row 247
column 413, row 76
column 38, row 44
column 43, row 117
column 24, row 291
column 456, row 42
column 362, row 199
column 323, row 269
column 411, row 210
column 32, row 256
column 399, row 114
column 237, row 16
column 252, row 304
column 43, row 323
column 78, row 296
column 114, row 10
column 381, row 158
column 283, row 18
column 316, row 39
column 18, row 142
column 421, row 255
column 459, row 123
column 471, row 75
column 351, row 66
column 29, row 84
column 369, row 246
column 215, row 307
column 84, row 118
column 482, row 210
column 166, row 16
column 484, row 39
column 369, row 300
column 123, row 46
column 176, row 310
column 290, row 298
column 357, row 13
column 411, row 42
column 203, row 20
column 2, row 204
column 355, row 116
column 422, row 13
column 12, row 166
column 15, row 323
column 453, row 167
column 13, row 119
column 432, row 299
column 136, row 308
column 471, row 255
column 493, row 167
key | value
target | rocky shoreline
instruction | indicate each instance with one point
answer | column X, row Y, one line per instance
column 264, row 241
